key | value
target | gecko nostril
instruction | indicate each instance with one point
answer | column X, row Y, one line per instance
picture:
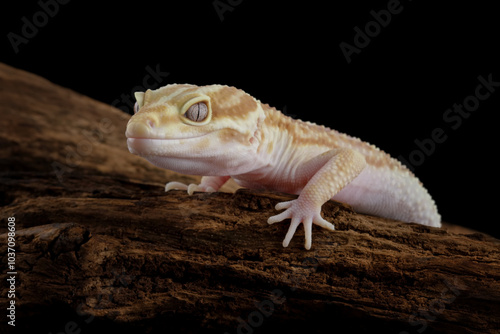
column 139, row 130
column 151, row 124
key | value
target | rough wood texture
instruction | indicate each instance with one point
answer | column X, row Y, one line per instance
column 101, row 248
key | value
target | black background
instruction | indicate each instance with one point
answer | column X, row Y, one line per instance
column 395, row 90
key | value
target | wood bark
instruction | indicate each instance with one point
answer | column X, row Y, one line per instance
column 100, row 247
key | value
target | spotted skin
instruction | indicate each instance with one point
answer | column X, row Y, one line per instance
column 221, row 132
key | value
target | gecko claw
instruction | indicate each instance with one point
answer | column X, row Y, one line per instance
column 190, row 189
column 175, row 185
column 196, row 187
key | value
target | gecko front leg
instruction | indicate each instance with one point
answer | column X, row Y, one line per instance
column 333, row 171
column 208, row 184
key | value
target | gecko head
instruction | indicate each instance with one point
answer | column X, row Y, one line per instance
column 203, row 130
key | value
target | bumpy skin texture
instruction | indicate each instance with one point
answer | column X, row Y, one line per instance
column 222, row 132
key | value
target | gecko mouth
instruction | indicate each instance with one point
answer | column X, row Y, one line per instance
column 180, row 138
column 168, row 146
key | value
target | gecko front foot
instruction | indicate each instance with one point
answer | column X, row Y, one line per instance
column 190, row 189
column 300, row 212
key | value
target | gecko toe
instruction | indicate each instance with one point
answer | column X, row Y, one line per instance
column 308, row 233
column 291, row 231
column 279, row 217
column 324, row 224
column 284, row 205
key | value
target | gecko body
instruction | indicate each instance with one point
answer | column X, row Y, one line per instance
column 221, row 132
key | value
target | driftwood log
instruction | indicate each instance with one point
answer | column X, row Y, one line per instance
column 99, row 247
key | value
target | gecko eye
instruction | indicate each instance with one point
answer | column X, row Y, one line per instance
column 197, row 112
column 136, row 108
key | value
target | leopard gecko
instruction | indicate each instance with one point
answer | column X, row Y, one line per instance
column 221, row 132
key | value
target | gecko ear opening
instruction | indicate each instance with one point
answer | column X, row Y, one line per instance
column 139, row 97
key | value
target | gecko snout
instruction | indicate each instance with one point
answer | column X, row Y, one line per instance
column 140, row 129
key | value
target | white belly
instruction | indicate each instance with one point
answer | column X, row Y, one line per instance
column 390, row 194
